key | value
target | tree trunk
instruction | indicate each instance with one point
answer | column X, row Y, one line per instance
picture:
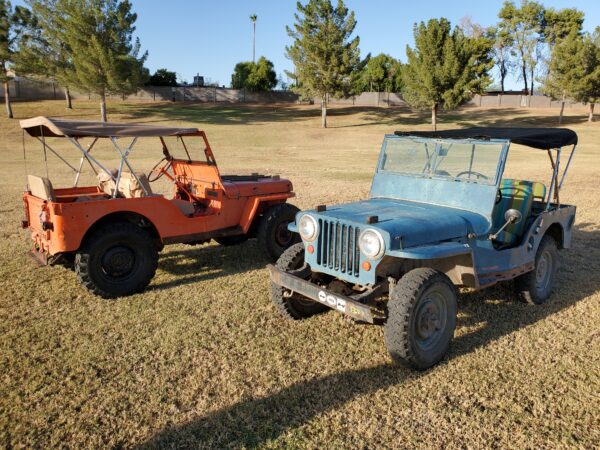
column 324, row 111
column 524, row 70
column 434, row 110
column 532, row 78
column 103, row 107
column 68, row 98
column 591, row 116
column 562, row 109
column 9, row 112
column 502, row 77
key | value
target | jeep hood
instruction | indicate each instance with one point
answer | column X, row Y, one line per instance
column 410, row 224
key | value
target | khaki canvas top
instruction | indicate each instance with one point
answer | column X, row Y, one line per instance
column 56, row 127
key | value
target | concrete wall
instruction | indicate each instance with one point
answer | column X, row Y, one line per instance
column 518, row 101
column 24, row 89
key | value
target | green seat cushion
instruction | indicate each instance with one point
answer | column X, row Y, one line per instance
column 516, row 194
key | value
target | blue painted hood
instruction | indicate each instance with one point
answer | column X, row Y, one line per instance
column 410, row 224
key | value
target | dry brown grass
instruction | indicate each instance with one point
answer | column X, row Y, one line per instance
column 201, row 359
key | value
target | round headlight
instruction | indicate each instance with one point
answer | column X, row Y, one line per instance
column 307, row 227
column 371, row 243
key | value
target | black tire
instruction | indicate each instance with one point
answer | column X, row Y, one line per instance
column 297, row 306
column 273, row 234
column 421, row 318
column 228, row 241
column 535, row 287
column 118, row 259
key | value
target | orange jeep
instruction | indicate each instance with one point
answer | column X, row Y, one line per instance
column 115, row 229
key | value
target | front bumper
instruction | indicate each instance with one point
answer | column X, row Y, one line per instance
column 342, row 303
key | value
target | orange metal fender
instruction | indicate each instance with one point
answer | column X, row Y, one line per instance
column 253, row 205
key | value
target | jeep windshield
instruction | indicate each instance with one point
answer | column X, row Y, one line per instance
column 458, row 160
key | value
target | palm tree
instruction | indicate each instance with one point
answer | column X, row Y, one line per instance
column 253, row 18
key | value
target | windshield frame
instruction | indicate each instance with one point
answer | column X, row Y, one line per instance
column 499, row 167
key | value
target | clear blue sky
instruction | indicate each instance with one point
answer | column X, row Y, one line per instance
column 210, row 37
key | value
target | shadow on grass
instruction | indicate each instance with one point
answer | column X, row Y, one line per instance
column 397, row 117
column 207, row 262
column 257, row 421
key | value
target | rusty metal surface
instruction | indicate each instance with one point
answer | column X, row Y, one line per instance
column 341, row 303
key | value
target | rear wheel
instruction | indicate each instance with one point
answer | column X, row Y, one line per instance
column 535, row 287
column 291, row 305
column 273, row 234
column 118, row 259
column 421, row 318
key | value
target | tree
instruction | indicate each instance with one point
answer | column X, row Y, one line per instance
column 253, row 18
column 323, row 53
column 525, row 27
column 446, row 68
column 99, row 36
column 559, row 24
column 42, row 54
column 575, row 71
column 381, row 73
column 12, row 25
column 502, row 52
column 255, row 77
column 163, row 77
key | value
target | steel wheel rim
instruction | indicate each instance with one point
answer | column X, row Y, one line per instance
column 283, row 236
column 118, row 262
column 430, row 319
column 543, row 271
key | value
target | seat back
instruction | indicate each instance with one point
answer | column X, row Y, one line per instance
column 129, row 186
column 41, row 187
column 519, row 195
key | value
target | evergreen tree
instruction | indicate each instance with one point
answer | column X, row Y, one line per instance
column 446, row 68
column 575, row 71
column 99, row 36
column 12, row 25
column 323, row 53
column 502, row 51
column 163, row 77
column 256, row 77
column 381, row 73
column 42, row 53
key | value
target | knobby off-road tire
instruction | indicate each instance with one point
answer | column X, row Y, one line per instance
column 535, row 287
column 273, row 234
column 421, row 318
column 228, row 241
column 297, row 306
column 118, row 259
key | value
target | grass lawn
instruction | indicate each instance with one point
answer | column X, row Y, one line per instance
column 201, row 359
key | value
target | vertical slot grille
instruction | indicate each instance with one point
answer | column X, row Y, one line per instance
column 338, row 247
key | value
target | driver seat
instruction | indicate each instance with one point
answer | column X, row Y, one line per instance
column 519, row 195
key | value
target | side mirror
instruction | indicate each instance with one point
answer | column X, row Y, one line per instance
column 513, row 216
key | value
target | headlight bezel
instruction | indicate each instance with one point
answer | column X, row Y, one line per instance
column 315, row 233
column 379, row 237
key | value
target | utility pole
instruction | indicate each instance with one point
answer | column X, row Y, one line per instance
column 253, row 18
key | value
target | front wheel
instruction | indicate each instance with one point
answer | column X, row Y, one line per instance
column 273, row 234
column 117, row 260
column 289, row 304
column 421, row 318
column 535, row 287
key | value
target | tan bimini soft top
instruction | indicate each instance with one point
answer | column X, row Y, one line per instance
column 55, row 127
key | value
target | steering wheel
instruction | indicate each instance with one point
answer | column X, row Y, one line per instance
column 158, row 171
column 477, row 174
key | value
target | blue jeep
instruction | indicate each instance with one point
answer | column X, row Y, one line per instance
column 439, row 215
